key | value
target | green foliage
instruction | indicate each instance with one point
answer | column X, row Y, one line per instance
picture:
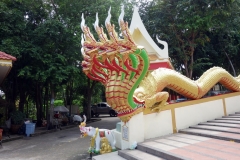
column 58, row 103
column 17, row 117
column 189, row 25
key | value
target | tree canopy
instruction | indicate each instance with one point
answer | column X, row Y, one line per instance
column 189, row 26
column 45, row 36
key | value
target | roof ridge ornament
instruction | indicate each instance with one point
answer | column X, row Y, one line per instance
column 165, row 44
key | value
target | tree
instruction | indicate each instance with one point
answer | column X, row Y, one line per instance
column 45, row 38
column 69, row 13
column 43, row 47
column 185, row 24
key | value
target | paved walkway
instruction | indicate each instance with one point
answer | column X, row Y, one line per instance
column 41, row 130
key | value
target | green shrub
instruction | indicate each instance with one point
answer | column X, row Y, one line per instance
column 58, row 103
column 17, row 117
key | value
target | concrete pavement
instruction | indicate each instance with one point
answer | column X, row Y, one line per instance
column 42, row 130
column 60, row 145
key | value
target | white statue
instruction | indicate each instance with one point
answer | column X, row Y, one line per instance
column 97, row 135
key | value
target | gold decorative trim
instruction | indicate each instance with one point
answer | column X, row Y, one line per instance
column 5, row 60
column 224, row 107
column 152, row 57
column 174, row 126
column 5, row 65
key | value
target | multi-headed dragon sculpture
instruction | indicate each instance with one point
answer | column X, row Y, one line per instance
column 122, row 67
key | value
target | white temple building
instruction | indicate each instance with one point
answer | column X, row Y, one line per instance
column 158, row 57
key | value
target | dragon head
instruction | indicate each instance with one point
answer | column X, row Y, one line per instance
column 119, row 64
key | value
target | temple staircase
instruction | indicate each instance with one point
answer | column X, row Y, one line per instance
column 211, row 140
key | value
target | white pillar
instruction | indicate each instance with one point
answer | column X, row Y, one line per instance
column 132, row 131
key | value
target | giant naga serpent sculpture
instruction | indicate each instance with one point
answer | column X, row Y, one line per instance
column 122, row 67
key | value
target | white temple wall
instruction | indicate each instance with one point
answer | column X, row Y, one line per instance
column 232, row 104
column 157, row 124
column 147, row 125
column 194, row 114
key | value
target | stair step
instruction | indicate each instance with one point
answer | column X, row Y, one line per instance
column 231, row 116
column 225, row 121
column 217, row 128
column 212, row 134
column 110, row 156
column 221, row 124
column 234, row 114
column 185, row 146
column 231, row 119
column 159, row 150
column 237, row 112
column 136, row 155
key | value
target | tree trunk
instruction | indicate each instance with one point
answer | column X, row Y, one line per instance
column 22, row 100
column 88, row 99
column 70, row 97
column 40, row 97
column 191, row 62
column 234, row 72
column 38, row 104
column 14, row 93
column 46, row 98
column 186, row 68
column 51, row 109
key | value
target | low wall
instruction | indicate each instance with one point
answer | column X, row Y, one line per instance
column 148, row 124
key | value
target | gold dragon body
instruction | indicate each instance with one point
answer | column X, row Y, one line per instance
column 150, row 89
column 122, row 67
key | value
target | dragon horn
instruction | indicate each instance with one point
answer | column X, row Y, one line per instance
column 82, row 22
column 120, row 18
column 82, row 43
column 82, row 39
column 96, row 22
column 85, row 118
column 121, row 15
column 108, row 17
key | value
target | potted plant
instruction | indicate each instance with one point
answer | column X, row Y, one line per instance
column 17, row 118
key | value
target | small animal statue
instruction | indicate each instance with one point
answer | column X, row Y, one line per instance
column 97, row 135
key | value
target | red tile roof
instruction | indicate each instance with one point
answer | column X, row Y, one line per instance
column 157, row 65
column 6, row 56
